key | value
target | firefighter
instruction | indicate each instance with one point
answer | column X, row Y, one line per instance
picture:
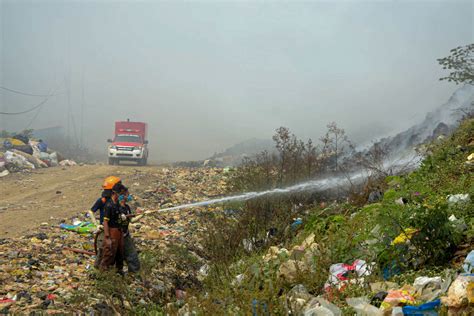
column 130, row 251
column 99, row 205
column 112, row 248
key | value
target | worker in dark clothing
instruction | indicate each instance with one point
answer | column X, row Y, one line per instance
column 99, row 205
column 112, row 249
column 130, row 251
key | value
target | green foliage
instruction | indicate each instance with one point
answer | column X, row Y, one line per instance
column 461, row 64
column 293, row 161
column 437, row 238
column 148, row 310
column 345, row 232
column 148, row 261
column 426, row 190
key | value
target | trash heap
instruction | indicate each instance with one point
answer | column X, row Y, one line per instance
column 19, row 154
column 407, row 251
column 52, row 268
column 425, row 296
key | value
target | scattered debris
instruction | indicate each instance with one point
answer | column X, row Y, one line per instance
column 53, row 264
column 340, row 274
column 458, row 292
column 362, row 306
column 458, row 198
column 401, row 297
column 469, row 263
column 405, row 236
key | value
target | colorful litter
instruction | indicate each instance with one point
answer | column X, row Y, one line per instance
column 81, row 228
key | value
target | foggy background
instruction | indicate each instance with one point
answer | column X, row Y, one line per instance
column 207, row 75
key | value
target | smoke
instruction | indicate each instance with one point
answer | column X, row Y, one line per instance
column 402, row 155
column 209, row 75
column 447, row 116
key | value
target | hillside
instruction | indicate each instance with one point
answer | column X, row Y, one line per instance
column 273, row 255
column 440, row 121
column 422, row 227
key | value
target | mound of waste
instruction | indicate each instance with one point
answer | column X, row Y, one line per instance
column 19, row 153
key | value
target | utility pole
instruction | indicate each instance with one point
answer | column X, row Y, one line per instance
column 82, row 113
column 68, row 111
column 3, row 104
column 68, row 88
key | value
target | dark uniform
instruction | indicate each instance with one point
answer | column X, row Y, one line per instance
column 113, row 254
column 99, row 205
column 130, row 251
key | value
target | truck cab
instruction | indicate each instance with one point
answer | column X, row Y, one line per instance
column 129, row 143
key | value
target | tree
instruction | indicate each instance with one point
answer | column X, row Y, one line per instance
column 461, row 65
column 283, row 144
column 310, row 157
column 335, row 142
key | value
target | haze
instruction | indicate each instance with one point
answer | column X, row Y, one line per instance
column 207, row 75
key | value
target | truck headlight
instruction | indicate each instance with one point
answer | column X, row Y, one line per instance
column 113, row 147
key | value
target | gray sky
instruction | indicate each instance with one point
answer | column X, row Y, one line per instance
column 206, row 75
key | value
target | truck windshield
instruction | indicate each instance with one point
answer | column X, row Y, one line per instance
column 128, row 138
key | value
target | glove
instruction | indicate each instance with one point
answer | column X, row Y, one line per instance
column 98, row 229
column 123, row 217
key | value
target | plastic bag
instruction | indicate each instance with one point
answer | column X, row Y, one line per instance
column 427, row 288
column 458, row 198
column 81, row 228
column 362, row 307
column 399, row 297
column 458, row 291
column 54, row 159
column 18, row 161
column 318, row 306
column 339, row 273
column 468, row 265
column 428, row 309
column 404, row 236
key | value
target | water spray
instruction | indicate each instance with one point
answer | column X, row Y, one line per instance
column 400, row 163
column 309, row 186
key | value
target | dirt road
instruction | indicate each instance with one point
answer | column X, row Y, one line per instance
column 48, row 195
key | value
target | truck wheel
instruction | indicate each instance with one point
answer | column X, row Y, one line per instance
column 111, row 161
column 145, row 161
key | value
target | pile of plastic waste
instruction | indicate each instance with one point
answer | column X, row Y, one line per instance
column 22, row 154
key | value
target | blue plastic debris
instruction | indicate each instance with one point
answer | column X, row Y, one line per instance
column 297, row 222
column 427, row 309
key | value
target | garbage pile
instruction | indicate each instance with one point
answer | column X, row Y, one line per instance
column 451, row 290
column 49, row 269
column 19, row 153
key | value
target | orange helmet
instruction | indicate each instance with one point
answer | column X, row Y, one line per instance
column 109, row 182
